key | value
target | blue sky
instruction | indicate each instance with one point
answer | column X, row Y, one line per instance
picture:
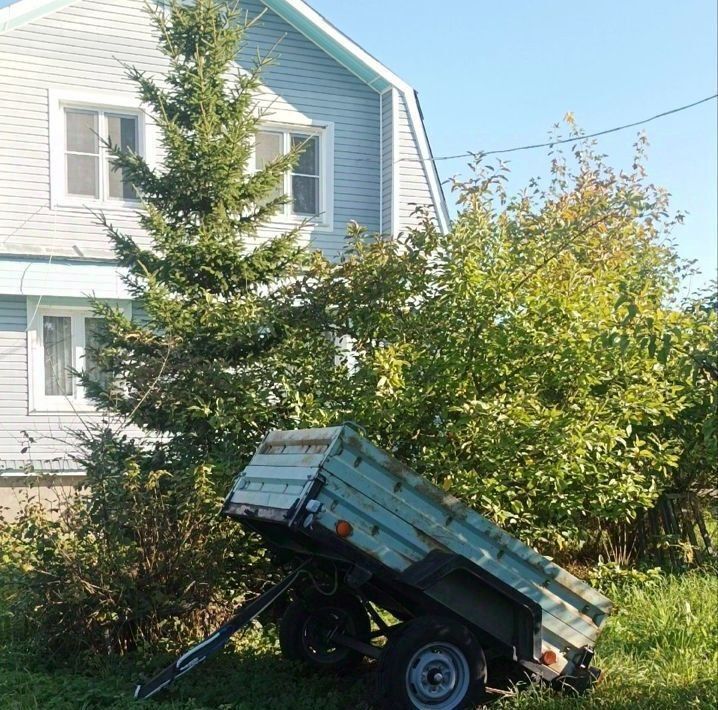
column 498, row 74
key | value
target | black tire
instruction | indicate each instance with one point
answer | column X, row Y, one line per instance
column 306, row 623
column 431, row 663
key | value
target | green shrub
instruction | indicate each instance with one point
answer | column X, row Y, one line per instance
column 138, row 557
column 608, row 576
column 534, row 361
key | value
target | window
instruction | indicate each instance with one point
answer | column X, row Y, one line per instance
column 81, row 166
column 307, row 184
column 88, row 165
column 60, row 339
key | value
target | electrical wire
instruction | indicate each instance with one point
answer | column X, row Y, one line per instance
column 481, row 153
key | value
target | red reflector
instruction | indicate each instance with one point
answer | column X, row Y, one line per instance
column 548, row 658
column 343, row 528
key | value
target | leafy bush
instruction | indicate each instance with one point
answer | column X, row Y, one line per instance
column 138, row 557
column 141, row 553
column 607, row 576
column 534, row 361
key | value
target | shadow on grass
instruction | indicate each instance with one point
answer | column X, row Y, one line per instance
column 262, row 680
column 246, row 679
column 265, row 680
column 659, row 651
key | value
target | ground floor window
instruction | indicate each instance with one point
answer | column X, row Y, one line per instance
column 61, row 337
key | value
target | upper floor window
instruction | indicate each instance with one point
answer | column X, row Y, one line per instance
column 308, row 184
column 88, row 164
column 81, row 166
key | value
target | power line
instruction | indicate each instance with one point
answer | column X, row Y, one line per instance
column 481, row 153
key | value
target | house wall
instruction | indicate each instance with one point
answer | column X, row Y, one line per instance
column 82, row 46
column 305, row 79
column 38, row 439
column 412, row 173
column 61, row 251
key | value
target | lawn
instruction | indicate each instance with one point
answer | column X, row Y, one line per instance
column 660, row 650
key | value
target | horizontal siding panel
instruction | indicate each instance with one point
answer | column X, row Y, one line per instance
column 14, row 105
column 139, row 41
column 31, row 94
column 60, row 59
column 48, row 76
column 302, row 77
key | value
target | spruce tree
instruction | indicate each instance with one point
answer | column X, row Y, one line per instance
column 202, row 363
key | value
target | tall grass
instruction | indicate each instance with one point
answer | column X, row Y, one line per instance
column 660, row 650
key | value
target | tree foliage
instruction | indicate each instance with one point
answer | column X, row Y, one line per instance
column 533, row 361
column 139, row 558
column 141, row 555
column 200, row 364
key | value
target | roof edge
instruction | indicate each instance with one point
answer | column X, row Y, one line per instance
column 381, row 71
column 23, row 11
column 332, row 32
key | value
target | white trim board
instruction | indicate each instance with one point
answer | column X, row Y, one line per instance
column 75, row 279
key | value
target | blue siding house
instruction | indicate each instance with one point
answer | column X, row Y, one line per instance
column 62, row 82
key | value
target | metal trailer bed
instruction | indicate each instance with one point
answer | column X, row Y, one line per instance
column 461, row 589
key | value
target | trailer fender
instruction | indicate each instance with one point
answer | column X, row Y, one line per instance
column 510, row 619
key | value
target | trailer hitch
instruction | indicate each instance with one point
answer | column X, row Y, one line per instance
column 203, row 650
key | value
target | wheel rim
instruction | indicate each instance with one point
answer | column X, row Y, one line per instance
column 317, row 634
column 437, row 677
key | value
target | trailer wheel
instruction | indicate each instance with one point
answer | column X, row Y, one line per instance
column 431, row 663
column 307, row 625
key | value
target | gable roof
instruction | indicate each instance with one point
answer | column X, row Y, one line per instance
column 316, row 28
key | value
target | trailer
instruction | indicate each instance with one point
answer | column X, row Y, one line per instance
column 368, row 541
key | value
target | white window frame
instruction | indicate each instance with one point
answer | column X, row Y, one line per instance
column 77, row 309
column 324, row 221
column 103, row 103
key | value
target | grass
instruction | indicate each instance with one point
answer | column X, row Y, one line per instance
column 660, row 650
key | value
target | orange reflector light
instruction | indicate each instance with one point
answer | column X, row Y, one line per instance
column 343, row 528
column 548, row 658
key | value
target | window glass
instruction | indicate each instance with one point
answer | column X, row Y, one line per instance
column 82, row 131
column 269, row 145
column 308, row 163
column 122, row 132
column 82, row 175
column 305, row 195
column 83, row 149
column 57, row 345
column 305, row 177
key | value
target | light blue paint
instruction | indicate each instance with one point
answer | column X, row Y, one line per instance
column 334, row 48
column 39, row 11
column 496, row 75
column 398, row 518
column 13, row 314
column 326, row 91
